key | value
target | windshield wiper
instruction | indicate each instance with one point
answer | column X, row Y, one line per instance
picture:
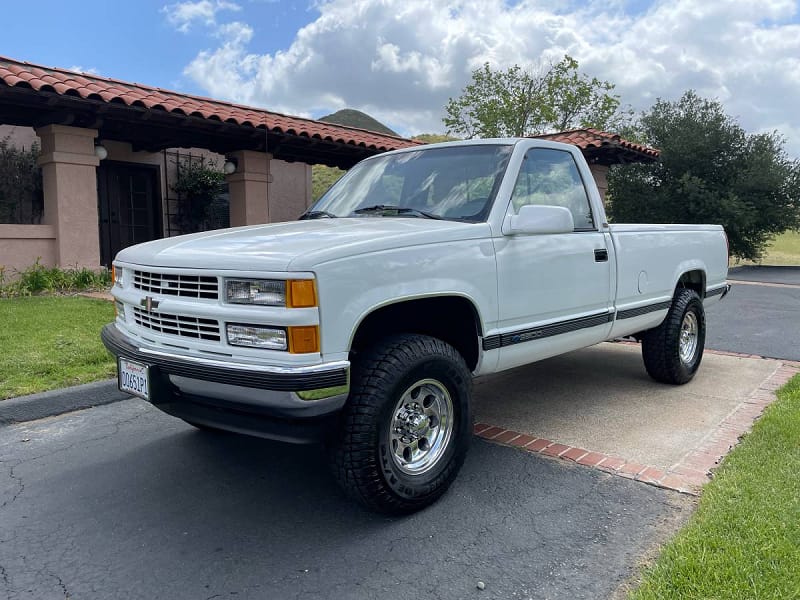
column 317, row 214
column 389, row 209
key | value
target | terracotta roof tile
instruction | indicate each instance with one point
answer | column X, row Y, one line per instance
column 62, row 88
column 14, row 73
column 588, row 138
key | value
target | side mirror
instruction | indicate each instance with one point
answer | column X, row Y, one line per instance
column 540, row 219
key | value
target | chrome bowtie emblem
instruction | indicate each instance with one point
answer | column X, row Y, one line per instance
column 149, row 304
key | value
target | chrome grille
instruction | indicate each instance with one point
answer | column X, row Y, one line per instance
column 180, row 325
column 173, row 284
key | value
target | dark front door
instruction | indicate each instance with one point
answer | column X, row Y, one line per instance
column 129, row 206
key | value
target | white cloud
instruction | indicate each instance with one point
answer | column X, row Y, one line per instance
column 400, row 60
column 182, row 15
column 80, row 69
column 237, row 33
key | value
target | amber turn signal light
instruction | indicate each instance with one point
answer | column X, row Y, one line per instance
column 300, row 293
column 303, row 339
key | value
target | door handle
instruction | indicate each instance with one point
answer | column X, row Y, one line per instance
column 601, row 255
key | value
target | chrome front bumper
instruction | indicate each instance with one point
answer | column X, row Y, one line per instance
column 238, row 396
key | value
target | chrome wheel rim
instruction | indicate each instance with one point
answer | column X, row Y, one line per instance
column 421, row 427
column 688, row 339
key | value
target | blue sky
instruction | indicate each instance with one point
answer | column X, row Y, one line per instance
column 400, row 60
column 134, row 41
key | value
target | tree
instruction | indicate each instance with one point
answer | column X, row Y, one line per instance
column 517, row 102
column 710, row 171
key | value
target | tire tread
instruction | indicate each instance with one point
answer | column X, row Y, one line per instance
column 660, row 345
column 353, row 456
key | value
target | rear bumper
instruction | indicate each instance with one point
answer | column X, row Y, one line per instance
column 721, row 291
column 727, row 290
column 296, row 404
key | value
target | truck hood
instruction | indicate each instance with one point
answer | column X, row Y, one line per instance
column 296, row 245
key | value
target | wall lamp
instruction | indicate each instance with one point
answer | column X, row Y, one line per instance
column 100, row 151
column 229, row 168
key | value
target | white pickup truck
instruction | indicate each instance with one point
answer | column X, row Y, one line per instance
column 363, row 323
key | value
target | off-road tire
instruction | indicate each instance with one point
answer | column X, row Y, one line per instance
column 362, row 458
column 661, row 347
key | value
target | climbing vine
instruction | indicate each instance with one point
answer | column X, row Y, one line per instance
column 202, row 188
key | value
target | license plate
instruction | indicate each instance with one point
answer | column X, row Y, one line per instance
column 134, row 378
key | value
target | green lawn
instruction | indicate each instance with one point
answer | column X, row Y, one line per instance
column 784, row 250
column 50, row 342
column 744, row 540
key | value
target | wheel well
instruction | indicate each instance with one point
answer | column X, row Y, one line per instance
column 452, row 319
column 693, row 280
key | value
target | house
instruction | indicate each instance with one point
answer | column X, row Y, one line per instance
column 110, row 150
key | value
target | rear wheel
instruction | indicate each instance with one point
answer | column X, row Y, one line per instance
column 407, row 424
column 672, row 351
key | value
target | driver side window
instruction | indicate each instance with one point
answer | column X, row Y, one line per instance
column 551, row 178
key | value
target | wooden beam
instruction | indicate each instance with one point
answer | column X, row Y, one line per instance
column 57, row 117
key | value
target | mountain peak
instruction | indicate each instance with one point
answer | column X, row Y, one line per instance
column 355, row 118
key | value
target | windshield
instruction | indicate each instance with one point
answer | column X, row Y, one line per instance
column 456, row 183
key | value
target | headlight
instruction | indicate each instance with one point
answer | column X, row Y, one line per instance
column 266, row 292
column 257, row 337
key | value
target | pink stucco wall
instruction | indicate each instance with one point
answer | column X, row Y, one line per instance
column 18, row 137
column 287, row 196
column 600, row 173
column 289, row 190
column 21, row 245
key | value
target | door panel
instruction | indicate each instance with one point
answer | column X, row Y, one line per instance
column 554, row 295
column 554, row 289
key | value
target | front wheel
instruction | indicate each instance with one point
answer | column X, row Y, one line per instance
column 407, row 424
column 672, row 351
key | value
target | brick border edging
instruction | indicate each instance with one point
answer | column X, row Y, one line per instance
column 690, row 473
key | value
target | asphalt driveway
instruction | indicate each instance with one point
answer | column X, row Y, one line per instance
column 121, row 501
column 760, row 316
column 766, row 274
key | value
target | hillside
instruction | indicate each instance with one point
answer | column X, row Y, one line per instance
column 434, row 138
column 356, row 118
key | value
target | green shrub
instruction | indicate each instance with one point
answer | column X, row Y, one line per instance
column 202, row 186
column 38, row 279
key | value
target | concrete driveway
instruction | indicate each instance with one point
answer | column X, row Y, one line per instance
column 602, row 400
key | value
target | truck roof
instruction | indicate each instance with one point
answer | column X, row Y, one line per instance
column 482, row 142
